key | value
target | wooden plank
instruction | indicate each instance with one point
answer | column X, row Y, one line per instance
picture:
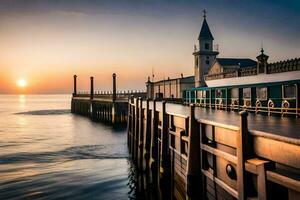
column 179, row 122
column 277, row 151
column 220, row 168
column 242, row 141
column 213, row 123
column 225, row 136
column 219, row 153
column 228, row 189
column 283, row 180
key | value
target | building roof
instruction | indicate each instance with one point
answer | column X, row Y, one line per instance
column 242, row 62
column 262, row 55
column 205, row 31
column 187, row 79
column 284, row 66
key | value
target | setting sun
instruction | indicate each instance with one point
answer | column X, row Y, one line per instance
column 22, row 83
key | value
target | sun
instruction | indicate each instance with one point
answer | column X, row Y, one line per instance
column 22, row 83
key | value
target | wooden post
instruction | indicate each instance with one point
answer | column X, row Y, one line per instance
column 147, row 137
column 154, row 143
column 141, row 138
column 242, row 142
column 129, row 124
column 165, row 168
column 75, row 85
column 132, row 126
column 136, row 130
column 165, row 159
column 193, row 166
column 114, row 87
column 92, row 88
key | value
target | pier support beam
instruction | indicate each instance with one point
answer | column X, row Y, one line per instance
column 92, row 88
column 165, row 168
column 193, row 165
column 242, row 155
column 140, row 133
column 114, row 87
column 75, row 85
column 147, row 137
column 154, row 144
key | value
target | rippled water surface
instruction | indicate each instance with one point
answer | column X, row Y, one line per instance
column 48, row 153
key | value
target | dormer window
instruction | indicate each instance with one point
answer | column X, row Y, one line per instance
column 206, row 46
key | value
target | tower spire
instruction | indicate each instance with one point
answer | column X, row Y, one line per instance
column 262, row 48
column 205, row 31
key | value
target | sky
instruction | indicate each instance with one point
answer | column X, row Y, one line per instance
column 46, row 42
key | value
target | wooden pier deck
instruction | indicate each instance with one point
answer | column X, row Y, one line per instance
column 108, row 107
column 197, row 153
column 189, row 152
column 274, row 125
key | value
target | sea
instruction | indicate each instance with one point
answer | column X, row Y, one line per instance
column 48, row 153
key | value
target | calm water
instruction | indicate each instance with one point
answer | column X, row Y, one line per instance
column 48, row 153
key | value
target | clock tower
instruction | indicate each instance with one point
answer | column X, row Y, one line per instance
column 205, row 55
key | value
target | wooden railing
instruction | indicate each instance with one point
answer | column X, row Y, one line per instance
column 109, row 94
column 270, row 106
column 205, row 159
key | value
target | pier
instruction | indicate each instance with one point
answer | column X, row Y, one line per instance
column 191, row 152
column 197, row 153
column 108, row 107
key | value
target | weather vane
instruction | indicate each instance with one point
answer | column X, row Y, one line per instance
column 204, row 13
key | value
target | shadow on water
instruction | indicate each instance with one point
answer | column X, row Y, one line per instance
column 79, row 171
column 140, row 185
column 46, row 112
column 111, row 151
column 64, row 175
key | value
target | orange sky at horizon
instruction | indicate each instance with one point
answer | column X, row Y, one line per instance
column 47, row 48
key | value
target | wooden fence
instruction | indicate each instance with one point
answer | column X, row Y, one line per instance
column 193, row 158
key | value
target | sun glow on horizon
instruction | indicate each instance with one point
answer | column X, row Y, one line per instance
column 22, row 83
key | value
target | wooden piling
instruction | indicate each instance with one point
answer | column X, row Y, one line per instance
column 136, row 131
column 92, row 88
column 140, row 133
column 242, row 153
column 193, row 165
column 114, row 88
column 75, row 85
column 147, row 137
column 154, row 144
column 164, row 169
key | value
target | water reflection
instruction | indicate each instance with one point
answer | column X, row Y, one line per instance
column 22, row 101
column 48, row 153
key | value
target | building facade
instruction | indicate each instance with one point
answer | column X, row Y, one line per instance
column 238, row 82
column 169, row 88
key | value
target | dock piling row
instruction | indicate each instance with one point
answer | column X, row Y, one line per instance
column 193, row 158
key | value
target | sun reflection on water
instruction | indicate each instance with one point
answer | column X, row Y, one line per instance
column 22, row 101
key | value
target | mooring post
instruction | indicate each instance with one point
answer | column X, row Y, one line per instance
column 114, row 87
column 132, row 125
column 75, row 85
column 129, row 128
column 154, row 144
column 242, row 154
column 193, row 164
column 147, row 137
column 165, row 169
column 136, row 130
column 92, row 88
column 141, row 138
